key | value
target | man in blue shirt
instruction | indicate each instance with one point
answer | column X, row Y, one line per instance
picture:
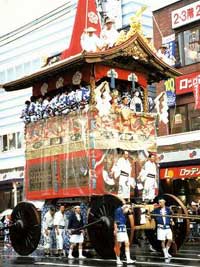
column 120, row 233
column 164, row 232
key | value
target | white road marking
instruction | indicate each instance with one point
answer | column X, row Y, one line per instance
column 137, row 262
column 162, row 263
column 58, row 264
column 186, row 250
column 174, row 258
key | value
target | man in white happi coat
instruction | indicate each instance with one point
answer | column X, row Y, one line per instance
column 48, row 228
column 109, row 34
column 60, row 223
column 148, row 176
column 123, row 169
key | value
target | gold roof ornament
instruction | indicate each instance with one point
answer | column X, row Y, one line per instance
column 135, row 22
column 135, row 27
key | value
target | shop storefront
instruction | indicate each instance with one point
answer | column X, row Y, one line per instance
column 183, row 181
column 11, row 188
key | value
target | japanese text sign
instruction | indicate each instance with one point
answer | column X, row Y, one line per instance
column 185, row 15
column 186, row 83
column 180, row 172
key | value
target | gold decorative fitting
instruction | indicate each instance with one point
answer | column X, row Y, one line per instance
column 135, row 27
column 136, row 52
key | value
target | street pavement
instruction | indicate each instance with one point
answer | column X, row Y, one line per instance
column 188, row 255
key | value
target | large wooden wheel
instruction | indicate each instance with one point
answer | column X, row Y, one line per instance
column 26, row 228
column 180, row 229
column 101, row 234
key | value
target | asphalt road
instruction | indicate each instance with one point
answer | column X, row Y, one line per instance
column 188, row 255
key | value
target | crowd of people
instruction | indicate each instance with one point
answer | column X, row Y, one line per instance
column 56, row 103
column 65, row 100
column 57, row 223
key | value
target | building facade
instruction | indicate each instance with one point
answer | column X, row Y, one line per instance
column 22, row 52
column 179, row 140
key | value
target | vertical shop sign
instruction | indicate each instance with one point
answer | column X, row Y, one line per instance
column 170, row 91
column 189, row 83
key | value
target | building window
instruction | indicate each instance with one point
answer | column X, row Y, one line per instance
column 4, row 143
column 10, row 74
column 2, row 77
column 193, row 117
column 178, row 119
column 18, row 71
column 189, row 46
column 19, row 139
column 184, row 119
column 11, row 141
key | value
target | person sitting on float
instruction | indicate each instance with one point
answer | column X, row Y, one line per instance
column 109, row 34
column 90, row 42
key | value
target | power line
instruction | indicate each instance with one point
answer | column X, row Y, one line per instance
column 35, row 22
column 33, row 29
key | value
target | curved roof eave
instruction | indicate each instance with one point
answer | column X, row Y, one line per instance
column 117, row 50
column 101, row 56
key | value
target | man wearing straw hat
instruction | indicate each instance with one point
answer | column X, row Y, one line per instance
column 90, row 42
column 109, row 34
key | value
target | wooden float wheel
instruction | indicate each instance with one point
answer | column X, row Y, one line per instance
column 101, row 234
column 25, row 230
column 180, row 229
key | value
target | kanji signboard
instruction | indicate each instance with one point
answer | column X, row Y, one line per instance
column 189, row 83
column 186, row 83
column 185, row 15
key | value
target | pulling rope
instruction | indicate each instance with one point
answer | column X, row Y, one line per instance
column 192, row 217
